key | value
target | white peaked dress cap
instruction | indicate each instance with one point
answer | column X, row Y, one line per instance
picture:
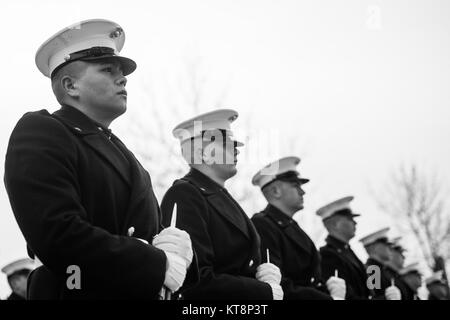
column 280, row 169
column 410, row 268
column 340, row 206
column 435, row 277
column 18, row 265
column 220, row 119
column 380, row 235
column 87, row 40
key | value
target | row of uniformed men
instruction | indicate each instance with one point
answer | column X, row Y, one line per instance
column 81, row 198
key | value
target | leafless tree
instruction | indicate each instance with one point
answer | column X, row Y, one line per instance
column 162, row 106
column 417, row 202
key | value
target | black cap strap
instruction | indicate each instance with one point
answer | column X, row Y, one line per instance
column 91, row 53
column 285, row 176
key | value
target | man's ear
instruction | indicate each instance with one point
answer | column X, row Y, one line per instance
column 276, row 190
column 206, row 156
column 69, row 85
column 197, row 155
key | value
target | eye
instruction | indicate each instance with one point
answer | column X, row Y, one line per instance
column 107, row 69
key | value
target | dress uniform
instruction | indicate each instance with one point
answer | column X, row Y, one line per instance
column 291, row 249
column 337, row 254
column 412, row 278
column 226, row 243
column 76, row 190
column 437, row 286
column 17, row 273
column 395, row 265
column 380, row 238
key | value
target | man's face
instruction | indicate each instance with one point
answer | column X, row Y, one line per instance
column 414, row 280
column 221, row 155
column 346, row 226
column 383, row 251
column 292, row 194
column 438, row 290
column 102, row 89
column 397, row 258
column 19, row 285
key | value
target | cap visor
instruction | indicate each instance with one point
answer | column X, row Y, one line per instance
column 128, row 66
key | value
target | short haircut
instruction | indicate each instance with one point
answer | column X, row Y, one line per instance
column 74, row 69
column 330, row 221
column 269, row 188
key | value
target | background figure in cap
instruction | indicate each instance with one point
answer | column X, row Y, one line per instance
column 437, row 287
column 225, row 241
column 290, row 247
column 395, row 264
column 337, row 254
column 17, row 273
column 380, row 252
column 412, row 278
column 77, row 192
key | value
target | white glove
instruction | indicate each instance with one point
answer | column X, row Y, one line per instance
column 392, row 293
column 337, row 288
column 175, row 271
column 268, row 272
column 277, row 291
column 175, row 241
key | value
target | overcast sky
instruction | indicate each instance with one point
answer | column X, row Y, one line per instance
column 354, row 88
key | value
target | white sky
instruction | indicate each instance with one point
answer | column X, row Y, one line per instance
column 362, row 85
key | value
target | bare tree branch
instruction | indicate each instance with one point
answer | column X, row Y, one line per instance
column 416, row 199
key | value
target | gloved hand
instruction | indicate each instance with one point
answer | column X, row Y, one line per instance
column 277, row 291
column 268, row 272
column 337, row 288
column 175, row 271
column 392, row 293
column 175, row 241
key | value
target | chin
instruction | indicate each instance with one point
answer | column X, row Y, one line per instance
column 115, row 110
column 231, row 170
column 121, row 109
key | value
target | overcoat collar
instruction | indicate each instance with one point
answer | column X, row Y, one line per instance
column 97, row 137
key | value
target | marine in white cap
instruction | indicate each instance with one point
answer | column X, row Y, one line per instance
column 395, row 264
column 438, row 288
column 290, row 247
column 412, row 277
column 379, row 250
column 225, row 241
column 397, row 260
column 17, row 274
column 337, row 255
column 79, row 195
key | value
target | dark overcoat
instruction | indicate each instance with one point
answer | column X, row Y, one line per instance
column 337, row 255
column 75, row 190
column 226, row 243
column 293, row 251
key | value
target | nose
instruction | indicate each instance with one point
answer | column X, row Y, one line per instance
column 122, row 81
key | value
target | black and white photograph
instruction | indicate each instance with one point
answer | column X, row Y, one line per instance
column 217, row 151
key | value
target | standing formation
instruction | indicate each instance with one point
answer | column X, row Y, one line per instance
column 93, row 225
